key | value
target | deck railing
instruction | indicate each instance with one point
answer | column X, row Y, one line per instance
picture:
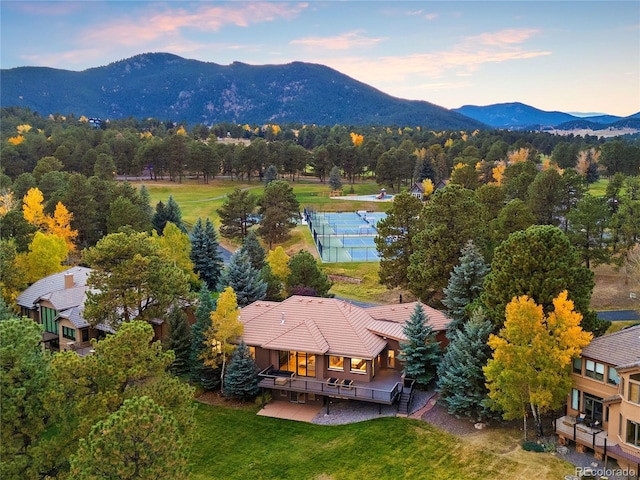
column 282, row 380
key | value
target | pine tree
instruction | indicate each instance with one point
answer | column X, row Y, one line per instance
column 274, row 284
column 335, row 182
column 168, row 213
column 205, row 253
column 244, row 279
column 205, row 375
column 427, row 171
column 179, row 340
column 159, row 219
column 241, row 379
column 255, row 252
column 270, row 174
column 465, row 285
column 461, row 381
column 174, row 214
column 420, row 353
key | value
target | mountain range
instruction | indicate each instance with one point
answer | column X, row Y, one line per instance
column 169, row 87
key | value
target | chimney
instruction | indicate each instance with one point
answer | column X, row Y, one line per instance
column 68, row 280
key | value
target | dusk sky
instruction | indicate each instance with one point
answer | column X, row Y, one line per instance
column 554, row 55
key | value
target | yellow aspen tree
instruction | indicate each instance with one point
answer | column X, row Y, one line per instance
column 24, row 128
column 60, row 225
column 517, row 156
column 532, row 354
column 7, row 202
column 181, row 131
column 278, row 260
column 225, row 328
column 428, row 187
column 356, row 139
column 497, row 173
column 17, row 140
column 45, row 256
column 33, row 209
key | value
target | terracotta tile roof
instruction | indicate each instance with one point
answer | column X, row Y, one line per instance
column 327, row 325
column 401, row 312
column 618, row 349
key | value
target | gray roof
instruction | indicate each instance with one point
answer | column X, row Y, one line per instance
column 49, row 285
column 66, row 298
column 618, row 349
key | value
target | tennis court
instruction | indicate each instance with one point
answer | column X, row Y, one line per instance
column 344, row 236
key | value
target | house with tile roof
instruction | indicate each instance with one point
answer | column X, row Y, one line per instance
column 603, row 408
column 56, row 302
column 311, row 349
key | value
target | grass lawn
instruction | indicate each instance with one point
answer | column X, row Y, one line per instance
column 599, row 188
column 238, row 444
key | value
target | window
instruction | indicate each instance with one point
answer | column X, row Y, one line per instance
column 69, row 333
column 301, row 363
column 577, row 366
column 613, row 377
column 358, row 365
column 633, row 433
column 252, row 351
column 575, row 399
column 336, row 363
column 391, row 359
column 634, row 392
column 48, row 318
column 85, row 334
column 594, row 370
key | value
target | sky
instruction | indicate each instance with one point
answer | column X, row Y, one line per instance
column 577, row 57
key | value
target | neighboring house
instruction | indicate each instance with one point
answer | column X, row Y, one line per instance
column 56, row 302
column 603, row 408
column 417, row 189
column 311, row 349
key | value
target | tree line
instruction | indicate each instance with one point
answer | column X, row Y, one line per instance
column 394, row 155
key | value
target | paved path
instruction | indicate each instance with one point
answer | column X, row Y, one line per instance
column 428, row 406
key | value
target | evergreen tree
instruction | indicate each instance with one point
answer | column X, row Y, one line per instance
column 5, row 311
column 465, row 285
column 255, row 252
column 205, row 375
column 270, row 174
column 174, row 214
column 427, row 171
column 237, row 213
column 144, row 201
column 159, row 219
column 335, row 181
column 244, row 279
column 305, row 277
column 241, row 379
column 420, row 353
column 205, row 253
column 168, row 213
column 179, row 340
column 461, row 381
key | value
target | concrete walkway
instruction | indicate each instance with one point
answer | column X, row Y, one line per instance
column 299, row 412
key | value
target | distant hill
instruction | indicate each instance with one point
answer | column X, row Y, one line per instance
column 521, row 116
column 169, row 87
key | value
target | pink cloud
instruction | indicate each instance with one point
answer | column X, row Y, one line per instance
column 173, row 21
column 340, row 42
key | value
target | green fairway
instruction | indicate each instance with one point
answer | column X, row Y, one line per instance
column 199, row 200
column 599, row 188
column 238, row 444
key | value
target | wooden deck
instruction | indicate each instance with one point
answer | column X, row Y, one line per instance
column 383, row 390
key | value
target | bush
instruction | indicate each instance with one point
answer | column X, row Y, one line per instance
column 533, row 447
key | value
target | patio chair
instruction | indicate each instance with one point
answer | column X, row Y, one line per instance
column 333, row 382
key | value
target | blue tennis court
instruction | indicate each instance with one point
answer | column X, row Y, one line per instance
column 345, row 236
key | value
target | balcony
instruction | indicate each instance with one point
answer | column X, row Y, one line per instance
column 384, row 389
column 593, row 437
